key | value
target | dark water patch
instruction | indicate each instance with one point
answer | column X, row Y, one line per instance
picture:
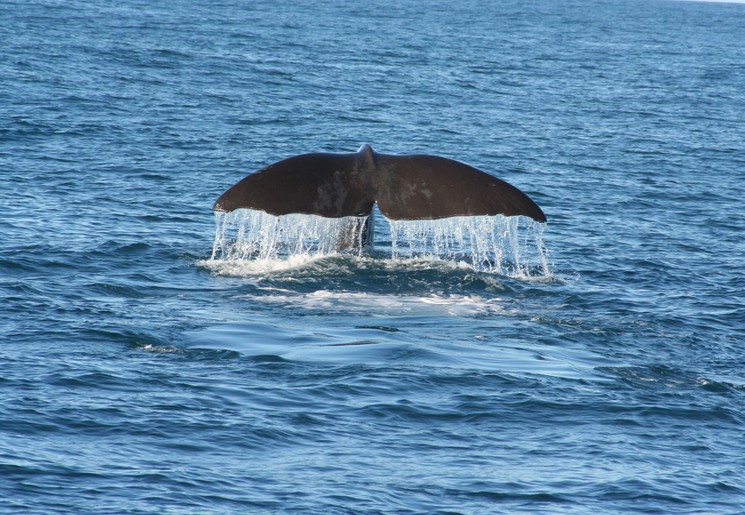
column 121, row 335
column 641, row 494
column 669, row 379
column 94, row 380
column 526, row 500
column 267, row 359
column 113, row 247
column 116, row 291
column 381, row 328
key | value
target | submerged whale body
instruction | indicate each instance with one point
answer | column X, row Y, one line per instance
column 405, row 187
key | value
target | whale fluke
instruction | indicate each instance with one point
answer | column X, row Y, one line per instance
column 405, row 187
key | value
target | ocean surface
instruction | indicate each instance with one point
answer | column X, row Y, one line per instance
column 594, row 364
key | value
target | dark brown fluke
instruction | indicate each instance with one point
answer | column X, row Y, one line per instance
column 416, row 187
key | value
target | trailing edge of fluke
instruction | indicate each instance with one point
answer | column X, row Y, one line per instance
column 405, row 187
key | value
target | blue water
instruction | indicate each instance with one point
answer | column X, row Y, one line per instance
column 138, row 375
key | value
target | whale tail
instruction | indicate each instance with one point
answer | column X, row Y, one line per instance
column 423, row 187
column 405, row 187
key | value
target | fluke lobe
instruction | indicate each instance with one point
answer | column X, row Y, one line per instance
column 405, row 187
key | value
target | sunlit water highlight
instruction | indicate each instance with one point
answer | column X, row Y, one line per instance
column 251, row 241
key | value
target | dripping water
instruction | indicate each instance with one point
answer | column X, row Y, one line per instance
column 247, row 234
column 511, row 246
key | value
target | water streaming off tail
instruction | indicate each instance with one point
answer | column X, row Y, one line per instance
column 246, row 234
column 509, row 246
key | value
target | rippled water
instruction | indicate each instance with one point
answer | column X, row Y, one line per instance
column 143, row 374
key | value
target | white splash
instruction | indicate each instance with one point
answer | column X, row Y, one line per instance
column 253, row 242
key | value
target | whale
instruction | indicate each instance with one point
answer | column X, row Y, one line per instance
column 404, row 187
